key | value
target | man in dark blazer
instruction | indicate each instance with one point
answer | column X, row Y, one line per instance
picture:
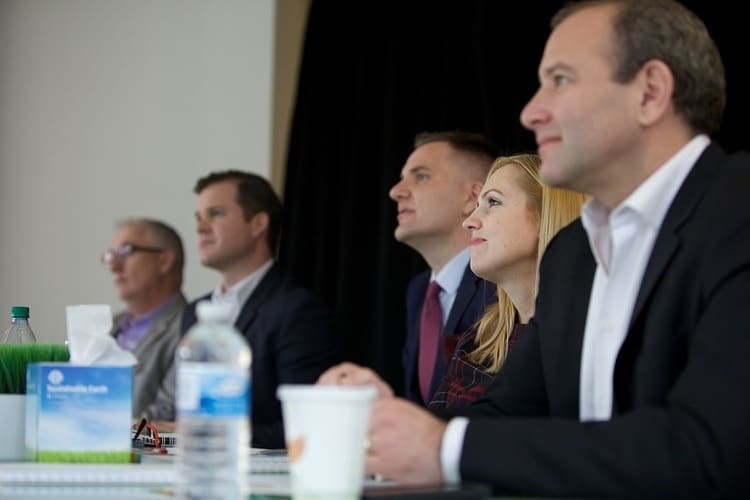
column 472, row 296
column 632, row 379
column 438, row 189
column 289, row 331
column 146, row 259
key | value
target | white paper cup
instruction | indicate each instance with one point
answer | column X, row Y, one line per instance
column 326, row 427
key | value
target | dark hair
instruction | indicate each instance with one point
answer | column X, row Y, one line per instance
column 478, row 151
column 469, row 143
column 254, row 195
column 165, row 236
column 667, row 31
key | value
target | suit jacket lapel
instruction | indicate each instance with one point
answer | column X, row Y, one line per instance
column 464, row 295
column 154, row 336
column 668, row 241
column 563, row 351
column 256, row 299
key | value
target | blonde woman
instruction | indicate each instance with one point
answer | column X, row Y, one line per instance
column 515, row 218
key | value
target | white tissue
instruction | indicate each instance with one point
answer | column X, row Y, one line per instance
column 89, row 340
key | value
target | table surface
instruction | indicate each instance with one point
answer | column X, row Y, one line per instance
column 130, row 492
column 114, row 482
column 136, row 493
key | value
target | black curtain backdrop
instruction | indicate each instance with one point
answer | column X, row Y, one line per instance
column 373, row 75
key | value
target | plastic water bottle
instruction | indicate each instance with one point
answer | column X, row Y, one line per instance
column 19, row 331
column 213, row 407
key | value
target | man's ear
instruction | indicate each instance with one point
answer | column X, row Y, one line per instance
column 656, row 87
column 166, row 261
column 472, row 197
column 259, row 223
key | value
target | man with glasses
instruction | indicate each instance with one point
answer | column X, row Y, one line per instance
column 290, row 332
column 146, row 259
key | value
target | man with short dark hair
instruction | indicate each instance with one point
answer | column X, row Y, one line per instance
column 290, row 332
column 438, row 189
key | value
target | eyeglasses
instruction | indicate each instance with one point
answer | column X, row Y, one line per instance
column 123, row 251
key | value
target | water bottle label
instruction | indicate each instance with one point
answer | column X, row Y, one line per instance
column 212, row 390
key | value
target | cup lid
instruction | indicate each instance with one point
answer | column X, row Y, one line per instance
column 326, row 392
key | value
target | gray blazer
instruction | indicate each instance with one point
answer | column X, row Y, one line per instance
column 154, row 375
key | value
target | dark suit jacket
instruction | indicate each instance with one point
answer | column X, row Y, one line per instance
column 472, row 296
column 154, row 374
column 681, row 416
column 292, row 339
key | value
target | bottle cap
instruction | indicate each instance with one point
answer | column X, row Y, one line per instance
column 212, row 311
column 19, row 311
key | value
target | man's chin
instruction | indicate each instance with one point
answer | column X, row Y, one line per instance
column 410, row 239
column 401, row 234
column 550, row 174
column 210, row 263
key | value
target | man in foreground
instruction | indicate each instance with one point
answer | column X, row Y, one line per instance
column 631, row 380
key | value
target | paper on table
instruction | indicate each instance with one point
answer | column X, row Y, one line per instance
column 38, row 474
column 66, row 474
column 89, row 341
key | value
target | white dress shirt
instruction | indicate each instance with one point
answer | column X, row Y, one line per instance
column 237, row 294
column 621, row 241
column 449, row 279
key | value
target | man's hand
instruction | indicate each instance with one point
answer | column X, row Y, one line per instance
column 351, row 374
column 404, row 443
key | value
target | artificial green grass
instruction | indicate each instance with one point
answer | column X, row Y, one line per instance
column 102, row 457
column 15, row 357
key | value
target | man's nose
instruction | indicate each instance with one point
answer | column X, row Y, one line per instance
column 533, row 113
column 116, row 264
column 398, row 191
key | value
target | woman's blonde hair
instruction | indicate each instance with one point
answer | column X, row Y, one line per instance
column 555, row 209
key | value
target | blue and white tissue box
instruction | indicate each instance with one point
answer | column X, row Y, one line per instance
column 78, row 413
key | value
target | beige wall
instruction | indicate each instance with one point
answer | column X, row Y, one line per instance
column 112, row 108
column 291, row 19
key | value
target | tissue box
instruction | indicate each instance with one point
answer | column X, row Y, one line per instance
column 78, row 413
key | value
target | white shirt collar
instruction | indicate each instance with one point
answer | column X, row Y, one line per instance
column 449, row 277
column 622, row 242
column 237, row 294
column 650, row 201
